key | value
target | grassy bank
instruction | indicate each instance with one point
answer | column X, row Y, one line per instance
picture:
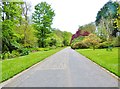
column 14, row 66
column 107, row 59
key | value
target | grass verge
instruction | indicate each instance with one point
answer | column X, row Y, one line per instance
column 11, row 67
column 106, row 59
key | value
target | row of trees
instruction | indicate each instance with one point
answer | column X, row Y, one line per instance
column 21, row 33
column 104, row 32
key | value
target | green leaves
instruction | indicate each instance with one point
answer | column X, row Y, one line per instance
column 106, row 20
column 11, row 12
column 42, row 18
column 108, row 11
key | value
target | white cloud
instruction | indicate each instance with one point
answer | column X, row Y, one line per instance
column 72, row 13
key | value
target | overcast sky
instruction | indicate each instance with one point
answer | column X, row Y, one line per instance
column 70, row 14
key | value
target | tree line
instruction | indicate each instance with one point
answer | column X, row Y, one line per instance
column 22, row 34
column 104, row 32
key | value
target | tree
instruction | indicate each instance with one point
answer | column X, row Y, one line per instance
column 42, row 18
column 105, row 19
column 31, row 39
column 118, row 17
column 88, row 27
column 11, row 13
column 25, row 9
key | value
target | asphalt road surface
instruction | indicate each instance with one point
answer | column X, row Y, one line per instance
column 66, row 68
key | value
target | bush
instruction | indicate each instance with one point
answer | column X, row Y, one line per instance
column 5, row 55
column 53, row 47
column 104, row 45
column 1, row 56
column 40, row 49
column 33, row 49
column 116, row 42
column 14, row 54
column 24, row 51
column 79, row 45
column 46, row 49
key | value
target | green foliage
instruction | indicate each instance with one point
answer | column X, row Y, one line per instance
column 58, row 38
column 5, row 55
column 58, row 35
column 7, row 35
column 11, row 11
column 106, row 20
column 23, row 51
column 86, row 42
column 108, row 11
column 79, row 45
column 52, row 42
column 79, row 39
column 19, row 36
column 118, row 17
column 11, row 14
column 92, row 40
column 66, row 38
column 116, row 41
column 105, row 44
column 30, row 38
column 14, row 54
column 88, row 27
column 42, row 18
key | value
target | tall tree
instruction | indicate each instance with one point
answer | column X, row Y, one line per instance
column 25, row 10
column 106, row 15
column 11, row 12
column 42, row 18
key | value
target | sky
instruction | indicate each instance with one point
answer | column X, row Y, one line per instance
column 70, row 14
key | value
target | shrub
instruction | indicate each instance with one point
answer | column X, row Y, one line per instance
column 14, row 54
column 24, row 51
column 5, row 55
column 116, row 42
column 40, row 49
column 92, row 40
column 33, row 49
column 1, row 56
column 53, row 47
column 104, row 44
column 79, row 45
column 46, row 49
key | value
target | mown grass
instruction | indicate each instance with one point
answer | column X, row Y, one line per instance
column 14, row 66
column 107, row 59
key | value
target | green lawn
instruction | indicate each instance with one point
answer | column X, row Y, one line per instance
column 14, row 66
column 107, row 59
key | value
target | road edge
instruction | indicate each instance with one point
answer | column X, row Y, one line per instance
column 112, row 74
column 17, row 75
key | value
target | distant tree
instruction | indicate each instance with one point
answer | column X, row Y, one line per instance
column 42, row 18
column 66, row 38
column 88, row 27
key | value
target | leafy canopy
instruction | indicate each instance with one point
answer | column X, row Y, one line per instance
column 42, row 18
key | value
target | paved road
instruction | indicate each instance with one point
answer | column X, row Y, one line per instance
column 66, row 68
